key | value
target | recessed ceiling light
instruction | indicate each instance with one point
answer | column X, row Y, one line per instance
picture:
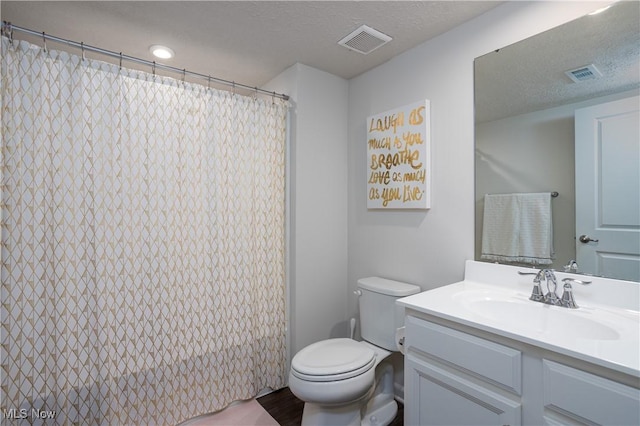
column 161, row 52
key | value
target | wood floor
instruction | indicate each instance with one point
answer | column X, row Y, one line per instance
column 283, row 406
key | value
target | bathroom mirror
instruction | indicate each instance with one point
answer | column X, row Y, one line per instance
column 525, row 104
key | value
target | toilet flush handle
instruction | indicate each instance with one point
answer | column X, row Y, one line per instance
column 357, row 292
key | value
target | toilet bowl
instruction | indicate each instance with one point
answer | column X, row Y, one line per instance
column 348, row 382
column 337, row 379
column 334, row 371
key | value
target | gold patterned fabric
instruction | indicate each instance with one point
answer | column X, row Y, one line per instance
column 142, row 243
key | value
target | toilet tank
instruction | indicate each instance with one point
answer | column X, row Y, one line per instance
column 379, row 315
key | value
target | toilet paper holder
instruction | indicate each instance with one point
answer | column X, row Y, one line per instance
column 400, row 338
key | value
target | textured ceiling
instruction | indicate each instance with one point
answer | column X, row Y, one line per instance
column 251, row 42
column 246, row 41
column 530, row 75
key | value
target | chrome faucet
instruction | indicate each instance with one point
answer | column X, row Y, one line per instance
column 571, row 266
column 551, row 297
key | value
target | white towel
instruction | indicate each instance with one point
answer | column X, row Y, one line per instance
column 518, row 228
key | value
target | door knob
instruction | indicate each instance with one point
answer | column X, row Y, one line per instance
column 586, row 239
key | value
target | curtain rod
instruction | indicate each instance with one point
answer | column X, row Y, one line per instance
column 8, row 28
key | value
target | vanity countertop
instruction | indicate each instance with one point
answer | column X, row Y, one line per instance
column 604, row 330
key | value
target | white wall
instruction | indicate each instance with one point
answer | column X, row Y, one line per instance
column 318, row 203
column 429, row 248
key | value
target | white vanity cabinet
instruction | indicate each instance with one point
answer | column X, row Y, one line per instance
column 457, row 375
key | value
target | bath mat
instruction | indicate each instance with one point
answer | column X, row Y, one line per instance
column 246, row 413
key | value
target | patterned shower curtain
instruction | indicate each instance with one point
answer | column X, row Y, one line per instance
column 142, row 243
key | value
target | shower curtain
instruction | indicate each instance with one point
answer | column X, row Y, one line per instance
column 142, row 243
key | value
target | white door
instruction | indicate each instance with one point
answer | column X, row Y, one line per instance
column 608, row 189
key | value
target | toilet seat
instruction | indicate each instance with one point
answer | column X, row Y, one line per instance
column 332, row 360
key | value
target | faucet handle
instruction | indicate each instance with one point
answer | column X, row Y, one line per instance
column 569, row 281
column 567, row 299
column 536, row 294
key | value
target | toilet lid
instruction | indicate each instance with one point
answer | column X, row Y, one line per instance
column 332, row 359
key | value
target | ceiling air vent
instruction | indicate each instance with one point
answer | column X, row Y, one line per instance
column 364, row 40
column 587, row 72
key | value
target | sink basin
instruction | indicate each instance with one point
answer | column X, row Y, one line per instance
column 524, row 315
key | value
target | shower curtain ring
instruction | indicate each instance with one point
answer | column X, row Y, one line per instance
column 233, row 88
column 208, row 82
column 120, row 69
column 44, row 42
column 82, row 49
column 184, row 74
column 8, row 30
column 153, row 68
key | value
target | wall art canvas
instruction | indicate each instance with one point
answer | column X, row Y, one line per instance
column 399, row 159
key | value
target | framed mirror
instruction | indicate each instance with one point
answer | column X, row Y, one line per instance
column 526, row 99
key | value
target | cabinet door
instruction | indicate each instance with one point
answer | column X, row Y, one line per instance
column 435, row 396
column 575, row 396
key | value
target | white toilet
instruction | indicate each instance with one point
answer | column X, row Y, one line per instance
column 345, row 382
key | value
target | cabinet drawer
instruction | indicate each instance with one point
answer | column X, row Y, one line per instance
column 586, row 398
column 487, row 360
